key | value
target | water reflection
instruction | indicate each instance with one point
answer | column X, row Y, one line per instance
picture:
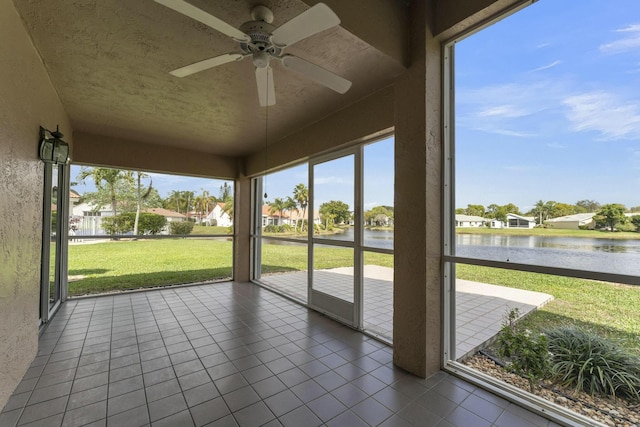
column 571, row 243
column 602, row 255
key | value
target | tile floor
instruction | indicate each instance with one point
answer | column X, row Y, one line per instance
column 230, row 354
column 480, row 307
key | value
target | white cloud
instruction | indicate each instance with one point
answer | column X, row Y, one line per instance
column 629, row 41
column 604, row 112
column 546, row 67
column 502, row 111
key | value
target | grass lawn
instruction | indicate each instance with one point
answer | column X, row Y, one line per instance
column 119, row 265
column 203, row 229
column 607, row 308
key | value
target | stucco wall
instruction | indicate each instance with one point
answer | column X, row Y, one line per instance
column 28, row 100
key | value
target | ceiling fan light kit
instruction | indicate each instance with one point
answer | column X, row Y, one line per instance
column 264, row 42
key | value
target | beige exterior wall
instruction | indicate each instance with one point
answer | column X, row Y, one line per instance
column 100, row 150
column 28, row 101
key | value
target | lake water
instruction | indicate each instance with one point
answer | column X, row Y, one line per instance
column 602, row 255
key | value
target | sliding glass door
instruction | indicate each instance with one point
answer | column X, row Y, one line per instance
column 334, row 255
column 54, row 239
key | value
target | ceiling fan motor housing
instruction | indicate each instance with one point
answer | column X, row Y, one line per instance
column 260, row 45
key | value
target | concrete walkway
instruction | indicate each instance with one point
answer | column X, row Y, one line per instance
column 480, row 307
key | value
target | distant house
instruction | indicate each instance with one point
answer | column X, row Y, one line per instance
column 572, row 222
column 275, row 218
column 470, row 221
column 171, row 216
column 291, row 218
column 518, row 221
column 496, row 223
column 296, row 216
column 87, row 218
column 218, row 216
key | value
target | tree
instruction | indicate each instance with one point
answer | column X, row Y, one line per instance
column 378, row 215
column 180, row 201
column 203, row 202
column 538, row 210
column 301, row 196
column 491, row 211
column 635, row 220
column 549, row 208
column 610, row 215
column 588, row 205
column 277, row 206
column 106, row 181
column 335, row 212
column 511, row 208
column 563, row 209
column 140, row 198
column 225, row 191
column 291, row 205
column 475, row 210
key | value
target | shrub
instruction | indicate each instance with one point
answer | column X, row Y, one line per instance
column 527, row 354
column 118, row 224
column 150, row 223
column 270, row 228
column 587, row 362
column 181, row 227
column 627, row 226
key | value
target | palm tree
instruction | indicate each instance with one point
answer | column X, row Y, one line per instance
column 301, row 196
column 550, row 207
column 291, row 205
column 278, row 205
column 140, row 198
column 180, row 201
column 203, row 202
column 539, row 209
column 228, row 206
column 106, row 180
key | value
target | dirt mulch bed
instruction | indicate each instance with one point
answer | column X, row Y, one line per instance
column 615, row 413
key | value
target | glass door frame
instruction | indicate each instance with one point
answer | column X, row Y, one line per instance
column 47, row 310
column 342, row 310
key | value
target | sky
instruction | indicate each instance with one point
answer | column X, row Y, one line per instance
column 547, row 108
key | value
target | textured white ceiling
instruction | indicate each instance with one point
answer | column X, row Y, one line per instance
column 109, row 61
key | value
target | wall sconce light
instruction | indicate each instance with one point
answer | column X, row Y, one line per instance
column 52, row 148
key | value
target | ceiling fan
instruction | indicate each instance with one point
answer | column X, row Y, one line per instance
column 264, row 42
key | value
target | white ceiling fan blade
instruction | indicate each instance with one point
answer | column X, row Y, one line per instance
column 318, row 18
column 200, row 15
column 266, row 89
column 316, row 73
column 206, row 64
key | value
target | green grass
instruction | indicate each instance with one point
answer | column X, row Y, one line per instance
column 120, row 265
column 550, row 232
column 203, row 229
column 609, row 309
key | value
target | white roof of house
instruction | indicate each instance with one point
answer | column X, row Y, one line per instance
column 573, row 218
column 526, row 218
column 470, row 218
